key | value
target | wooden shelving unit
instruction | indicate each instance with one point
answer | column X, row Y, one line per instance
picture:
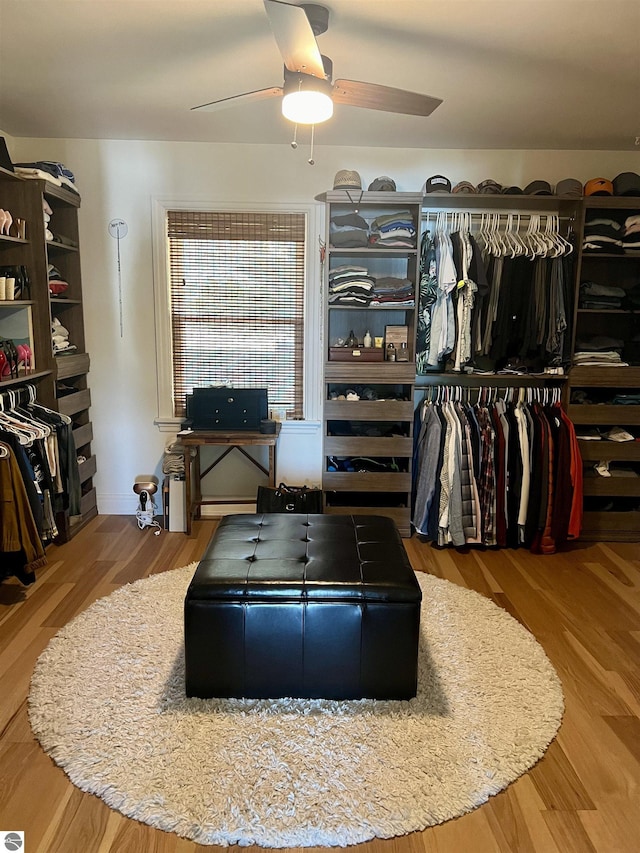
column 25, row 199
column 612, row 504
column 367, row 433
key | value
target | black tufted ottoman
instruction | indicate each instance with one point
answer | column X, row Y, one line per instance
column 309, row 606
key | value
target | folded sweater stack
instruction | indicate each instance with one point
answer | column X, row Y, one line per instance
column 393, row 231
column 350, row 284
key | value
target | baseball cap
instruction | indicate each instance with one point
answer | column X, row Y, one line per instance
column 437, row 184
column 512, row 191
column 464, row 187
column 569, row 187
column 382, row 184
column 626, row 183
column 538, row 188
column 598, row 186
column 346, row 179
column 489, row 187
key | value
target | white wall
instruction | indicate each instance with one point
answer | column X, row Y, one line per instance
column 119, row 179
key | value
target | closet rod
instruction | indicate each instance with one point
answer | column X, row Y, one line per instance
column 429, row 214
column 510, row 393
column 498, row 379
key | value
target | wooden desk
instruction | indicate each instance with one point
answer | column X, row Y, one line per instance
column 236, row 440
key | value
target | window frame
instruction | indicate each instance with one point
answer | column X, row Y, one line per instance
column 312, row 366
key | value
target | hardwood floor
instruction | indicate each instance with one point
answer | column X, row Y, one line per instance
column 582, row 605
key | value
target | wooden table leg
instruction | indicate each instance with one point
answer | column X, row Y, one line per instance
column 197, row 508
column 187, row 490
column 272, row 465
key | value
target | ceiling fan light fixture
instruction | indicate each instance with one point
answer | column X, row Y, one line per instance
column 306, row 99
column 307, row 107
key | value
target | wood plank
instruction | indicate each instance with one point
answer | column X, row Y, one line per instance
column 568, row 832
column 557, row 782
column 627, row 729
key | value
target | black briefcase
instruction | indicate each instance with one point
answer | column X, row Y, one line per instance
column 227, row 409
column 297, row 499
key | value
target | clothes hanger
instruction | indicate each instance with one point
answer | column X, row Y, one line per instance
column 553, row 235
column 549, row 236
column 512, row 235
column 531, row 242
column 18, row 424
column 567, row 246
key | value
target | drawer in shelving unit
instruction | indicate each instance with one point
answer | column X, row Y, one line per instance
column 368, row 446
column 604, row 415
column 71, row 404
column 88, row 503
column 73, row 364
column 388, row 372
column 622, row 451
column 352, row 481
column 352, row 354
column 605, row 377
column 610, row 526
column 83, row 435
column 87, row 469
column 595, row 485
column 368, row 410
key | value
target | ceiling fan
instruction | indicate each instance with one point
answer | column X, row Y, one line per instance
column 308, row 93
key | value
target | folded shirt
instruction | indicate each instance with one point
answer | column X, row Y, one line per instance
column 600, row 342
column 592, row 288
column 26, row 172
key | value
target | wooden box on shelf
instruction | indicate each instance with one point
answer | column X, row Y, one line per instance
column 356, row 353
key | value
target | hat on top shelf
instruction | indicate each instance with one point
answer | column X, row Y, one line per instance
column 489, row 187
column 464, row 187
column 598, row 186
column 512, row 191
column 627, row 183
column 382, row 184
column 437, row 185
column 538, row 188
column 347, row 179
column 569, row 187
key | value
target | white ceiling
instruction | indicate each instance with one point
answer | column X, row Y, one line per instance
column 554, row 74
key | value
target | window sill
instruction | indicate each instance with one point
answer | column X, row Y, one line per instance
column 174, row 425
column 168, row 424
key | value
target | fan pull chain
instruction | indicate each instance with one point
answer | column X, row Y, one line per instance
column 294, row 141
column 311, row 161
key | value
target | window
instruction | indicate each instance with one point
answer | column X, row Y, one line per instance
column 237, row 302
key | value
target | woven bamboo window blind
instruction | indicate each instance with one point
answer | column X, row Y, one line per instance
column 237, row 302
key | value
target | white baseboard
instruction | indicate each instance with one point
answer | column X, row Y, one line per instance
column 218, row 510
column 122, row 504
column 126, row 504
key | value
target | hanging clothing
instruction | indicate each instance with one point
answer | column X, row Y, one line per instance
column 522, row 487
column 428, row 292
column 22, row 550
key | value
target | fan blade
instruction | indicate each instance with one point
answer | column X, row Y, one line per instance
column 295, row 38
column 246, row 97
column 375, row 97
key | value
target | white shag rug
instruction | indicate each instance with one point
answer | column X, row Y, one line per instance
column 107, row 703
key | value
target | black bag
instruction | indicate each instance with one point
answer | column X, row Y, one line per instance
column 285, row 498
